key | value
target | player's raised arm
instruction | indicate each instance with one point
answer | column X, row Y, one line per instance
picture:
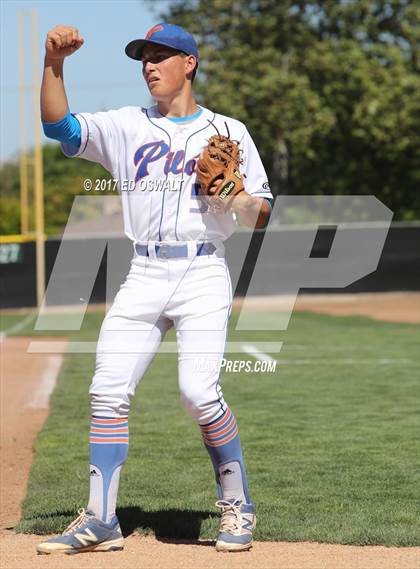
column 61, row 42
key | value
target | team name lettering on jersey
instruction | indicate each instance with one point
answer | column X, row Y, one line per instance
column 173, row 162
column 155, row 159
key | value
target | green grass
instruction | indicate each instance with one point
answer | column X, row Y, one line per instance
column 330, row 440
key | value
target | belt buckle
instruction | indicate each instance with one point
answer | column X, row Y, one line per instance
column 164, row 251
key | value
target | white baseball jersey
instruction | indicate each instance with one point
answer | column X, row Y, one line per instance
column 154, row 159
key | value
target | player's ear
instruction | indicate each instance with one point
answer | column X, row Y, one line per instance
column 190, row 66
column 190, row 63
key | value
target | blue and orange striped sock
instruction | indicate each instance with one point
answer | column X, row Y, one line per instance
column 108, row 449
column 221, row 439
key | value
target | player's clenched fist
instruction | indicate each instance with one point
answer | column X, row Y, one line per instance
column 62, row 41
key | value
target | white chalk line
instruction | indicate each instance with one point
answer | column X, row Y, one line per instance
column 17, row 327
column 253, row 350
column 263, row 357
column 41, row 396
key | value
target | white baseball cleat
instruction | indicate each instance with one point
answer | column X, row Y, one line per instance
column 86, row 533
column 236, row 526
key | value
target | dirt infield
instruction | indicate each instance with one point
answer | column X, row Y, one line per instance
column 149, row 553
column 26, row 381
column 388, row 307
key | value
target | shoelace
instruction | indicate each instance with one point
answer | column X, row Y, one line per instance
column 78, row 522
column 231, row 515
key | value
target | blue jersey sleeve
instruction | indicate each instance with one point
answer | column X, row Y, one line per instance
column 270, row 201
column 67, row 130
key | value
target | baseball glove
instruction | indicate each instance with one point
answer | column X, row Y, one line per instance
column 218, row 170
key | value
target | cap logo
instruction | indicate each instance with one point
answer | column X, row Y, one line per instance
column 157, row 28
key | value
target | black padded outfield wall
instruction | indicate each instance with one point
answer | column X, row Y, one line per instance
column 398, row 269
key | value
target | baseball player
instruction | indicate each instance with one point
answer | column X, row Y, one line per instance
column 178, row 275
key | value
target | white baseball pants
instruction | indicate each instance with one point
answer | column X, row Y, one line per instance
column 193, row 294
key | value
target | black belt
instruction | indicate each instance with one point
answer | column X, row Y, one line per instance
column 165, row 251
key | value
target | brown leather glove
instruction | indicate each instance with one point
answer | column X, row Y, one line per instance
column 218, row 171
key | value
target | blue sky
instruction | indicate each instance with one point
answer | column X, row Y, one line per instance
column 98, row 77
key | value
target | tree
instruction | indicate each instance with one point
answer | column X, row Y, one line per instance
column 63, row 180
column 327, row 89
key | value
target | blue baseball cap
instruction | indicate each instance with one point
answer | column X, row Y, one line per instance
column 169, row 35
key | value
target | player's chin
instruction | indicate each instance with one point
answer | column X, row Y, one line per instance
column 156, row 89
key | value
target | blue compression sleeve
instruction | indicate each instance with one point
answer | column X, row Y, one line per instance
column 270, row 201
column 66, row 130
